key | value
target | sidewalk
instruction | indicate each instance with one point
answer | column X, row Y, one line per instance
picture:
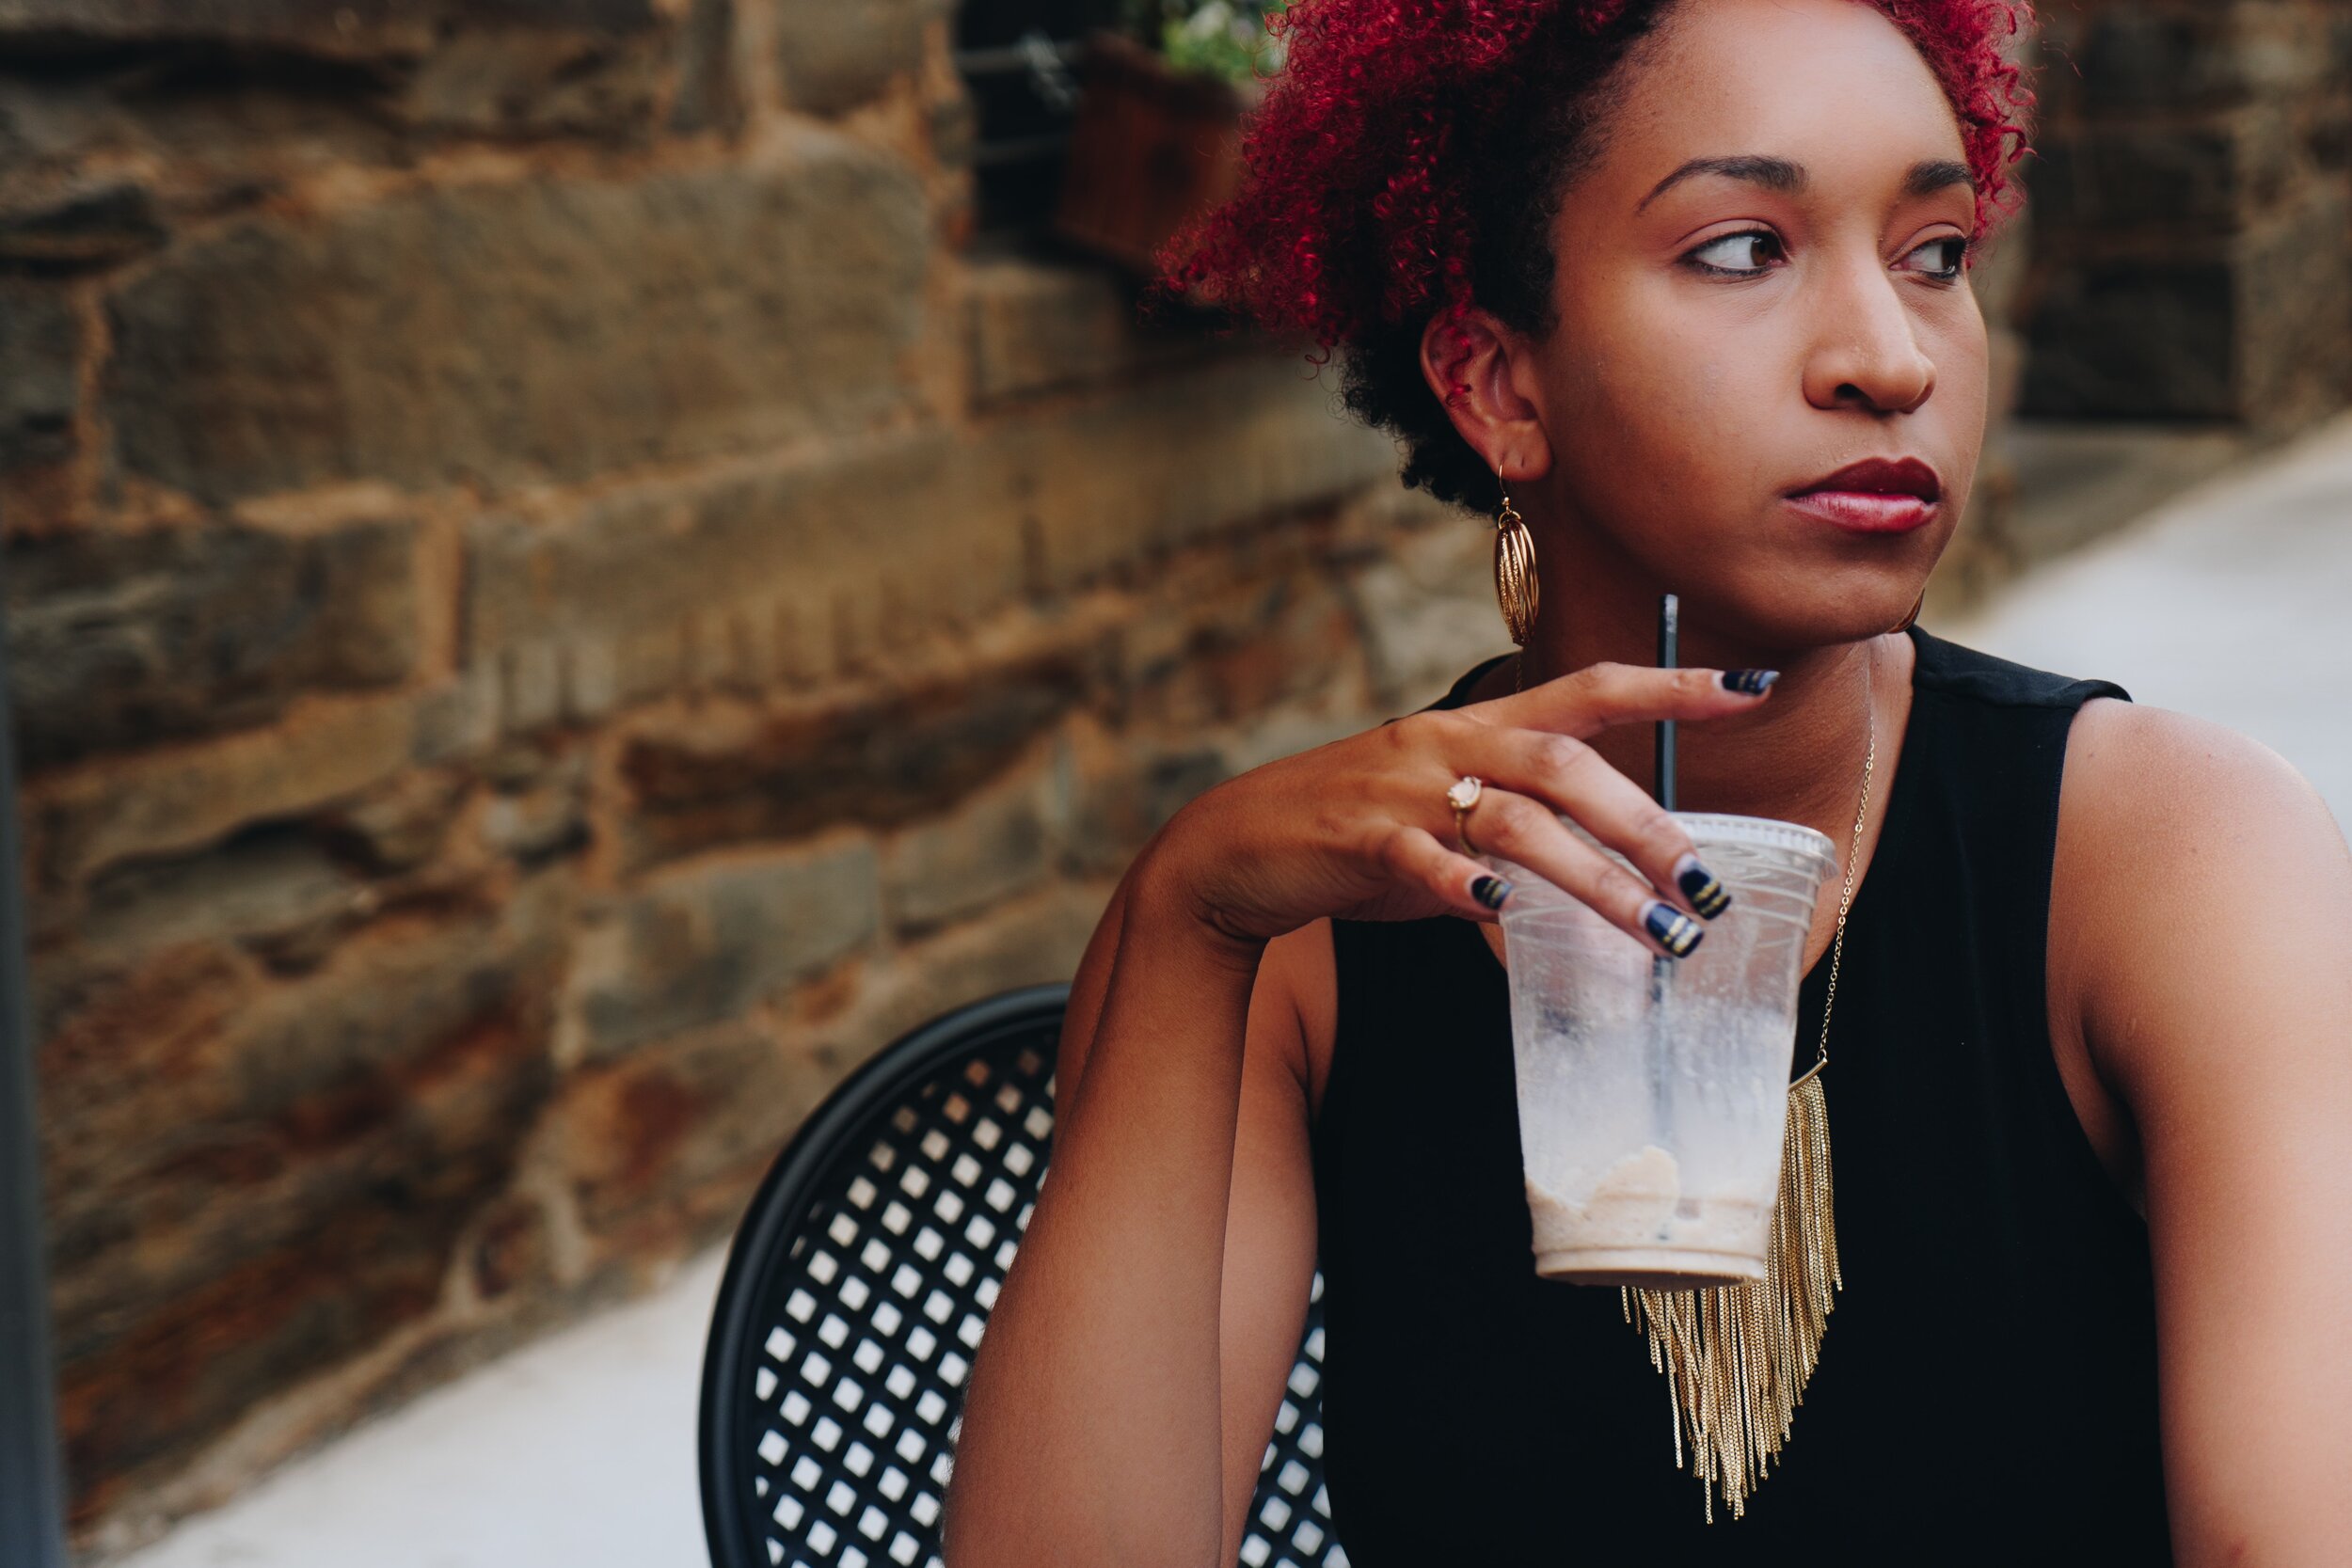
column 577, row 1450
column 2228, row 602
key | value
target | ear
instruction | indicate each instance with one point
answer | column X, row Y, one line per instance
column 1483, row 370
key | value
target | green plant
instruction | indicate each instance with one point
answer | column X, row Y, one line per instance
column 1218, row 36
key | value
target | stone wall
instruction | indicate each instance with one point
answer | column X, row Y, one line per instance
column 557, row 602
column 2193, row 215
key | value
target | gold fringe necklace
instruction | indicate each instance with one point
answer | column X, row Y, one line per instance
column 1737, row 1356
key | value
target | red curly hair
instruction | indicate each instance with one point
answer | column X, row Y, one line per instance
column 1408, row 159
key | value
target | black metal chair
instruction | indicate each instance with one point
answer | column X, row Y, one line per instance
column 859, row 1284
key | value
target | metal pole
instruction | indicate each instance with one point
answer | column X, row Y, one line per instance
column 32, row 1514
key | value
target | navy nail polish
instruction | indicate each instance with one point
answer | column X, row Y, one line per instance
column 1676, row 932
column 1749, row 682
column 1491, row 891
column 1700, row 885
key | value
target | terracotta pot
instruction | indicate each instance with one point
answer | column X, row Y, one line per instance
column 1150, row 149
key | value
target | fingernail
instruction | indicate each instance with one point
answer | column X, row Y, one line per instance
column 1676, row 932
column 1700, row 886
column 1491, row 891
column 1750, row 683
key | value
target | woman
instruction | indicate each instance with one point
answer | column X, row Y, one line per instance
column 1688, row 281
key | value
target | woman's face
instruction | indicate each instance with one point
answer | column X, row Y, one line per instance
column 1758, row 286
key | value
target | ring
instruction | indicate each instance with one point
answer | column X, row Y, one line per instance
column 1461, row 797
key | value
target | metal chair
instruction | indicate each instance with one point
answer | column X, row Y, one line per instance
column 858, row 1286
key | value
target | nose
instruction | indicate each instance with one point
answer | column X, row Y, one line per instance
column 1866, row 355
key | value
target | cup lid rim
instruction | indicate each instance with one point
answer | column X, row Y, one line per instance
column 1726, row 828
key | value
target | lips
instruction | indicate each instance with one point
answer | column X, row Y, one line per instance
column 1876, row 495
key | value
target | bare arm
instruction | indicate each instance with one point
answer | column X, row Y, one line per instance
column 2217, row 1000
column 1133, row 1363
column 1124, row 1391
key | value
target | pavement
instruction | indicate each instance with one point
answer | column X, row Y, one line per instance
column 2228, row 601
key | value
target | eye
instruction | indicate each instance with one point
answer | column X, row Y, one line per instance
column 1750, row 253
column 1946, row 253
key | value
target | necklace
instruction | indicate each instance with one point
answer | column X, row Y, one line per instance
column 1737, row 1357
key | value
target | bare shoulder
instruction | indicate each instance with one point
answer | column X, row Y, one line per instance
column 2213, row 964
column 2135, row 769
column 2185, row 847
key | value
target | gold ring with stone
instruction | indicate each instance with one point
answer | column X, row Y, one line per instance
column 1461, row 797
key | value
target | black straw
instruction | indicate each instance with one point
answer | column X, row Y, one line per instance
column 1669, row 631
column 1661, row 967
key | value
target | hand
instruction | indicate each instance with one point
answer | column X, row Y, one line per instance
column 1360, row 829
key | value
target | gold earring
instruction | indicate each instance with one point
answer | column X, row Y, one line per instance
column 1904, row 624
column 1514, row 569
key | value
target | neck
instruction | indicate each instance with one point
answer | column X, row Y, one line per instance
column 1797, row 758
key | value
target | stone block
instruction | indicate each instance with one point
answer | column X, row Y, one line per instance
column 119, row 640
column 2211, row 176
column 513, row 80
column 705, row 944
column 884, row 758
column 2329, row 135
column 744, row 566
column 293, row 1184
column 396, row 826
column 2295, row 312
column 2253, row 329
column 40, row 349
column 1278, row 635
column 90, row 229
column 2172, row 54
column 353, row 30
column 708, row 96
column 271, row 889
column 1032, row 940
column 178, row 800
column 1122, row 789
column 2149, row 337
column 835, row 57
column 539, row 818
column 1164, row 463
column 1426, row 598
column 459, row 718
column 665, row 1148
column 509, row 1248
column 511, row 333
column 1031, row 326
column 996, row 843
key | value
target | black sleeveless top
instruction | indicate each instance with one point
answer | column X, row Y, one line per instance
column 1987, row 1388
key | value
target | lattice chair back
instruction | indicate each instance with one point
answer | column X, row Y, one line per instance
column 858, row 1287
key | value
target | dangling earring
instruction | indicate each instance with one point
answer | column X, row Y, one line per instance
column 1514, row 569
column 1904, row 624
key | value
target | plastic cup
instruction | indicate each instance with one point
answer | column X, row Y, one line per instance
column 1653, row 1095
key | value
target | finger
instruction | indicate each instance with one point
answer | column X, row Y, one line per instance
column 1527, row 832
column 1585, row 701
column 1564, row 772
column 1413, row 856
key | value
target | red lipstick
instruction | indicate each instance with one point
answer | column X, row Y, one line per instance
column 1876, row 495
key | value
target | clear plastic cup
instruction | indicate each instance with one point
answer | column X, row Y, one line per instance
column 1653, row 1096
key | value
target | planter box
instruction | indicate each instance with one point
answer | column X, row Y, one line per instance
column 1150, row 149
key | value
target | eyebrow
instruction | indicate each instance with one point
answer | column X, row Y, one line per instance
column 1936, row 174
column 1924, row 177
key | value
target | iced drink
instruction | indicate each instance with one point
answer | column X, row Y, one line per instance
column 1652, row 1096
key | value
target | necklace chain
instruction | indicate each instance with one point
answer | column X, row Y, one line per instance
column 1845, row 896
